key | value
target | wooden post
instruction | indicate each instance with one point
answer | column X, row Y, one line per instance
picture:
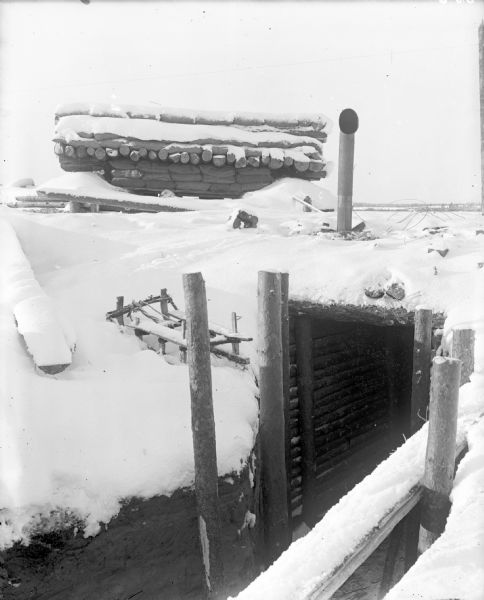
column 272, row 428
column 203, row 430
column 183, row 351
column 440, row 455
column 120, row 304
column 163, row 301
column 481, row 104
column 348, row 125
column 235, row 346
column 422, row 348
column 305, row 384
column 462, row 347
column 94, row 208
column 286, row 386
column 74, row 207
column 422, row 359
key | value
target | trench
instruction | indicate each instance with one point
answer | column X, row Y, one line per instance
column 359, row 366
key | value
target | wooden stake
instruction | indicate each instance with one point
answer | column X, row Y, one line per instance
column 440, row 456
column 418, row 415
column 463, row 348
column 183, row 352
column 272, row 428
column 164, row 302
column 119, row 305
column 203, row 430
column 286, row 384
column 235, row 346
column 348, row 124
column 422, row 341
column 305, row 385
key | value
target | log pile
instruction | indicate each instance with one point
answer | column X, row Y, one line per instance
column 210, row 155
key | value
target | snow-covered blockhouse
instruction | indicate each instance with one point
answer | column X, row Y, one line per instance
column 205, row 154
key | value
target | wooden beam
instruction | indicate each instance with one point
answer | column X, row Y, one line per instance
column 366, row 546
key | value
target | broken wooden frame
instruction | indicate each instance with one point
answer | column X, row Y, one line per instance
column 168, row 324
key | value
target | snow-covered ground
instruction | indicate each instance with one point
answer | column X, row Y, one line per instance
column 116, row 423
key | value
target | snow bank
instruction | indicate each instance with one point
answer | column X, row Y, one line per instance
column 92, row 185
column 117, row 422
column 453, row 567
column 33, row 311
column 310, row 559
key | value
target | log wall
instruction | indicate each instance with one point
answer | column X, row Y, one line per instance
column 194, row 171
column 361, row 391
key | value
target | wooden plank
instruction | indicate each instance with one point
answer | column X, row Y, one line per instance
column 325, row 588
column 232, row 336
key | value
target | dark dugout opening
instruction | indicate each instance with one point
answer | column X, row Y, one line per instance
column 361, row 364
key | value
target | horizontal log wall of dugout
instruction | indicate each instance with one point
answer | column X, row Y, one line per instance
column 189, row 169
column 351, row 407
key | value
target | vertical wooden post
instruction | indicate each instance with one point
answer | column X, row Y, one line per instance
column 74, row 207
column 481, row 104
column 120, row 304
column 183, row 351
column 203, row 430
column 272, row 428
column 94, row 208
column 285, row 387
column 462, row 347
column 422, row 347
column 163, row 301
column 235, row 346
column 422, row 360
column 440, row 455
column 305, row 384
column 348, row 125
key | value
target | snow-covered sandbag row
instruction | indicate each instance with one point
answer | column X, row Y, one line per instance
column 315, row 125
column 48, row 342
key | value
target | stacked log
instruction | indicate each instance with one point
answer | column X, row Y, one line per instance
column 350, row 401
column 203, row 154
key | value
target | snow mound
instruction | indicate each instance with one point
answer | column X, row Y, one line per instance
column 279, row 195
column 84, row 184
column 33, row 310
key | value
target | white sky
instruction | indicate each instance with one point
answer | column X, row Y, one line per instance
column 409, row 69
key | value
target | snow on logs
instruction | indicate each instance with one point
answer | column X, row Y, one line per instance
column 45, row 338
column 215, row 154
